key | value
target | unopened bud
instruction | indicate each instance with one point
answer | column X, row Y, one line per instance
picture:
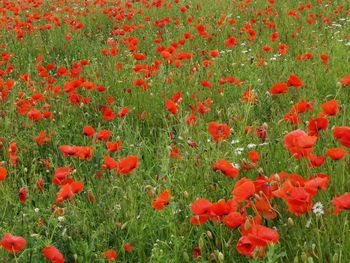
column 212, row 257
column 118, row 224
column 290, row 221
column 201, row 243
column 186, row 257
column 304, row 257
column 185, row 195
column 221, row 257
column 209, row 234
column 335, row 258
column 246, row 225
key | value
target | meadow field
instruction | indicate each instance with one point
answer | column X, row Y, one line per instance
column 174, row 131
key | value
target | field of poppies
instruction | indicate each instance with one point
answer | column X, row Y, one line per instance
column 175, row 131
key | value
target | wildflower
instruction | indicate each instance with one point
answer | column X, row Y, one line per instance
column 317, row 209
column 52, row 254
column 12, row 243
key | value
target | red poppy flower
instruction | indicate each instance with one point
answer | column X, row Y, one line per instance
column 110, row 163
column 233, row 220
column 214, row 53
column 243, row 190
column 69, row 190
column 226, row 168
column 342, row 133
column 254, row 156
column 255, row 239
column 3, row 173
column 175, row 152
column 231, row 42
column 171, row 107
column 128, row 247
column 345, row 81
column 263, row 206
column 341, row 202
column 110, row 254
column 316, row 161
column 191, row 120
column 294, row 81
column 219, row 209
column 317, row 124
column 127, row 165
column 123, row 112
column 299, row 143
column 303, row 106
column 201, row 208
column 279, row 88
column 103, row 135
column 330, row 107
column 162, row 200
column 114, row 146
column 52, row 254
column 35, row 115
column 315, row 183
column 89, row 131
column 249, row 96
column 61, row 175
column 68, row 150
column 12, row 243
column 336, row 153
column 22, row 195
column 297, row 198
column 219, row 131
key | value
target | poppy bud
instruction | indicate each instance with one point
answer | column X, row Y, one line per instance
column 91, row 197
column 123, row 226
column 212, row 257
column 277, row 177
column 185, row 195
column 260, row 171
column 209, row 234
column 148, row 190
column 290, row 221
column 218, row 243
column 118, row 224
column 22, row 195
column 313, row 246
column 304, row 257
column 40, row 222
column 229, row 242
column 335, row 258
column 221, row 257
column 246, row 225
column 186, row 257
column 201, row 243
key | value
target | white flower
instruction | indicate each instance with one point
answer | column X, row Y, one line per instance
column 263, row 144
column 317, row 209
column 236, row 165
column 234, row 141
column 251, row 146
column 238, row 151
column 308, row 223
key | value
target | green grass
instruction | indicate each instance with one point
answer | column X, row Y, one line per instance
column 122, row 212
